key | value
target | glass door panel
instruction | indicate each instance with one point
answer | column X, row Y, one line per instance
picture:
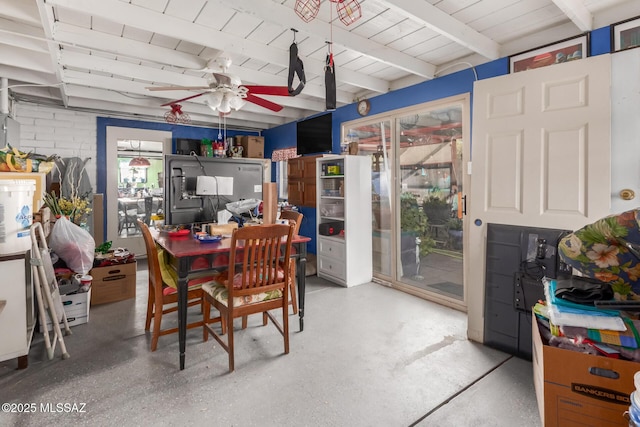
column 134, row 190
column 429, row 246
column 374, row 140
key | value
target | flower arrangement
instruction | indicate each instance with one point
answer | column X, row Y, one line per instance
column 76, row 208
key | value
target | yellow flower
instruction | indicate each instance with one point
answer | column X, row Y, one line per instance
column 75, row 208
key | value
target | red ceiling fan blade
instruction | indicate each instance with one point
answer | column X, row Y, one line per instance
column 183, row 99
column 155, row 88
column 263, row 102
column 268, row 90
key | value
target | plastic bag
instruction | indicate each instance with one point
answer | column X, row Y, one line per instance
column 73, row 245
column 242, row 206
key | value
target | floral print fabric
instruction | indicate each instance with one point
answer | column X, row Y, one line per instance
column 608, row 250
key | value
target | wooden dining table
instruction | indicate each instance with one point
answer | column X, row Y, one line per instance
column 192, row 255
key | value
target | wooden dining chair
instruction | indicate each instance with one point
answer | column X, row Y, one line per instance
column 294, row 217
column 161, row 294
column 256, row 282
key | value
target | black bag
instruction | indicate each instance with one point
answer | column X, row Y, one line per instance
column 330, row 82
column 583, row 290
column 296, row 68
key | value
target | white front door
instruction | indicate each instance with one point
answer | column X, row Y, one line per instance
column 119, row 236
column 541, row 154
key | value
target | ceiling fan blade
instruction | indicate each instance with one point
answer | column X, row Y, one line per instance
column 154, row 88
column 263, row 102
column 183, row 99
column 268, row 90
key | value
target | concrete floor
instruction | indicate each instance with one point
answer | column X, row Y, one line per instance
column 369, row 356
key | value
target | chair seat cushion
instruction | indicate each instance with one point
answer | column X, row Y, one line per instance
column 220, row 293
column 170, row 278
column 196, row 283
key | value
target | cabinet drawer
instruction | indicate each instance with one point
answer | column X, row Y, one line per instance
column 330, row 248
column 332, row 267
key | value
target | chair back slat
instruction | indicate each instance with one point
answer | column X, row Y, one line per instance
column 155, row 276
column 292, row 216
column 263, row 264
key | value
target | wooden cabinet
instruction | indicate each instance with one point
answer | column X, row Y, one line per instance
column 344, row 217
column 301, row 181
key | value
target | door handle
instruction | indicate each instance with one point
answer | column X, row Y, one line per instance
column 464, row 205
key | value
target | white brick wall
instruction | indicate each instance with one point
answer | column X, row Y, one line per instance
column 55, row 130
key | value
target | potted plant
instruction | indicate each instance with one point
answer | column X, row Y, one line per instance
column 454, row 228
column 437, row 210
column 414, row 224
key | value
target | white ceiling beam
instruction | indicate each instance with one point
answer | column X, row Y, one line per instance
column 16, row 57
column 82, row 37
column 22, row 36
column 26, row 76
column 20, row 11
column 46, row 18
column 577, row 12
column 115, row 97
column 37, row 91
column 211, row 121
column 148, row 20
column 140, row 72
column 444, row 24
column 151, row 103
column 90, row 39
column 286, row 17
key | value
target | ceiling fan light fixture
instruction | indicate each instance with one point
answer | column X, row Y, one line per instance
column 214, row 99
column 236, row 102
column 225, row 106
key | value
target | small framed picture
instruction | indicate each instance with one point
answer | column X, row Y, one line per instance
column 625, row 34
column 565, row 50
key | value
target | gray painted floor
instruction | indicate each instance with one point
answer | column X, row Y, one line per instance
column 368, row 356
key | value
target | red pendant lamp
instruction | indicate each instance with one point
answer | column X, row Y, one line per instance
column 307, row 10
column 139, row 162
column 349, row 11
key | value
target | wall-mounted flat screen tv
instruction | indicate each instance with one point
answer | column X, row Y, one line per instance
column 315, row 135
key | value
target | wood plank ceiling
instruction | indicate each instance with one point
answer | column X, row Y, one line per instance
column 101, row 55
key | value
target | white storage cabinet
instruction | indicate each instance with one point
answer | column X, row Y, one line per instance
column 17, row 309
column 344, row 207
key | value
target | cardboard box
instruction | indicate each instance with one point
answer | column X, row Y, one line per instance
column 580, row 389
column 113, row 283
column 252, row 146
column 76, row 307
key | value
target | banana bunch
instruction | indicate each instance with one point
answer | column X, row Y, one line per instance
column 14, row 160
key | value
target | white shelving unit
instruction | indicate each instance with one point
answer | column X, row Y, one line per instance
column 344, row 210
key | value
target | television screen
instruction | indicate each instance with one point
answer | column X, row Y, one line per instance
column 314, row 135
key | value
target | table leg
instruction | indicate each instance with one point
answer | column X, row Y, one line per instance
column 301, row 273
column 183, row 272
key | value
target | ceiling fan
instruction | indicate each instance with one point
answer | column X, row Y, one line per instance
column 226, row 91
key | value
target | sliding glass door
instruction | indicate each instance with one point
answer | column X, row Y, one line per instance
column 418, row 186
